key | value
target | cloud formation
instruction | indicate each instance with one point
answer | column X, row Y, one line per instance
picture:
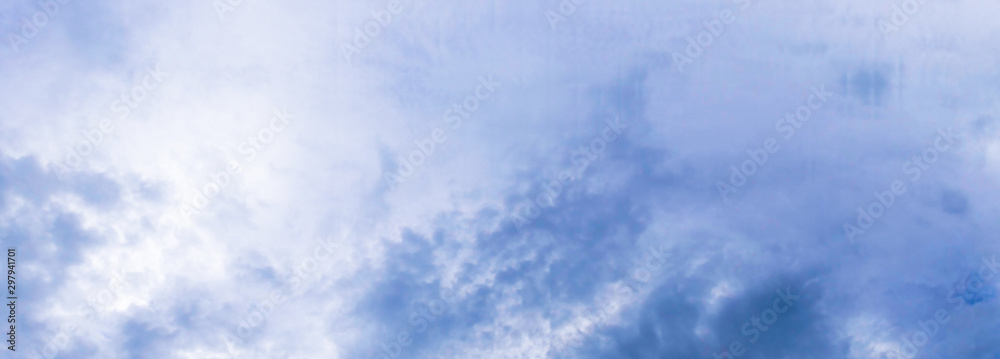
column 563, row 178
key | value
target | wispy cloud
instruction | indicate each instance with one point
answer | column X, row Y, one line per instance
column 566, row 178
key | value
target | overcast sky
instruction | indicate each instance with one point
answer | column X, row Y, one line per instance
column 536, row 179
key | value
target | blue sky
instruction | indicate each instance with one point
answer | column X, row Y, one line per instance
column 547, row 179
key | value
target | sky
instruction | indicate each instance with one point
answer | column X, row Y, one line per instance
column 494, row 179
